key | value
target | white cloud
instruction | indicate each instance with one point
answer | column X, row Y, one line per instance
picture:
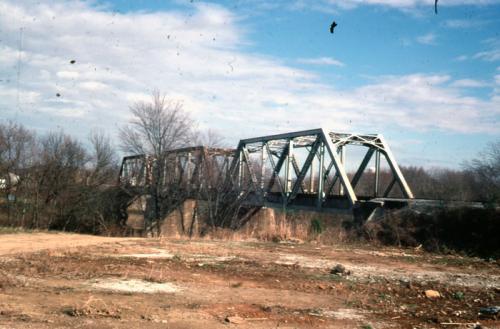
column 461, row 58
column 463, row 23
column 328, row 5
column 492, row 54
column 416, row 100
column 198, row 58
column 427, row 39
column 321, row 61
column 68, row 74
column 469, row 83
column 93, row 85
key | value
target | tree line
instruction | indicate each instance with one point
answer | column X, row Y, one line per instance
column 55, row 181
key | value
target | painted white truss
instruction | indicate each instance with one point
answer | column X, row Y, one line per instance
column 277, row 168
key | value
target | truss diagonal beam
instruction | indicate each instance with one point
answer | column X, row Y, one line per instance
column 296, row 168
column 277, row 167
column 339, row 166
column 246, row 159
column 396, row 171
column 362, row 167
column 302, row 174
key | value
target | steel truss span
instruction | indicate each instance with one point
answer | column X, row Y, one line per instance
column 303, row 169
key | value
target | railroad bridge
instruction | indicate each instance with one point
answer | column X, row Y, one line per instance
column 308, row 169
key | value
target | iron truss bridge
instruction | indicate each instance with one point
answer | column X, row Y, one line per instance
column 298, row 170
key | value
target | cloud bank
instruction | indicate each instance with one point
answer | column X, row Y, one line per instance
column 199, row 56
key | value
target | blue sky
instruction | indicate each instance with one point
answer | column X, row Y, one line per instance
column 430, row 83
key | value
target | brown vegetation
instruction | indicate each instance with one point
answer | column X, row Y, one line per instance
column 158, row 283
column 467, row 230
column 54, row 181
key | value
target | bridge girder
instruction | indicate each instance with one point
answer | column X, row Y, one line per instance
column 304, row 168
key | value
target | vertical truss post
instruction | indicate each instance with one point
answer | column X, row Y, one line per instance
column 377, row 173
column 199, row 166
column 289, row 167
column 176, row 168
column 311, row 177
column 321, row 178
column 188, row 171
column 143, row 171
column 164, row 175
column 125, row 171
column 342, row 162
column 165, row 170
column 240, row 167
column 263, row 159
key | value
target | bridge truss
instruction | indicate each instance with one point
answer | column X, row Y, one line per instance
column 303, row 169
column 187, row 168
column 309, row 169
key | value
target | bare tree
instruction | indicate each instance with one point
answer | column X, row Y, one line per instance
column 486, row 173
column 157, row 127
column 17, row 149
column 57, row 176
column 210, row 138
column 103, row 160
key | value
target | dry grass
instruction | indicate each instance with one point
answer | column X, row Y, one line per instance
column 8, row 280
column 462, row 230
column 12, row 230
column 93, row 307
column 276, row 225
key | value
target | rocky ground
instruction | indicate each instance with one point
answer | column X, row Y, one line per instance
column 72, row 281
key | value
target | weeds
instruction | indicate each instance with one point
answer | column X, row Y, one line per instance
column 354, row 303
column 13, row 230
column 316, row 226
column 9, row 280
column 465, row 230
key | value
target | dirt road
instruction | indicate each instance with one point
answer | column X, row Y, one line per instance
column 31, row 242
column 151, row 283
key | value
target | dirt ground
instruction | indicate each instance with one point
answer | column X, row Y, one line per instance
column 76, row 281
column 21, row 243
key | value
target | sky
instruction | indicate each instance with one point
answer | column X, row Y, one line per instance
column 430, row 83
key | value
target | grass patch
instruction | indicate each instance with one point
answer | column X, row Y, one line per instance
column 454, row 261
column 324, row 277
column 316, row 226
column 236, row 285
column 12, row 230
column 218, row 266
